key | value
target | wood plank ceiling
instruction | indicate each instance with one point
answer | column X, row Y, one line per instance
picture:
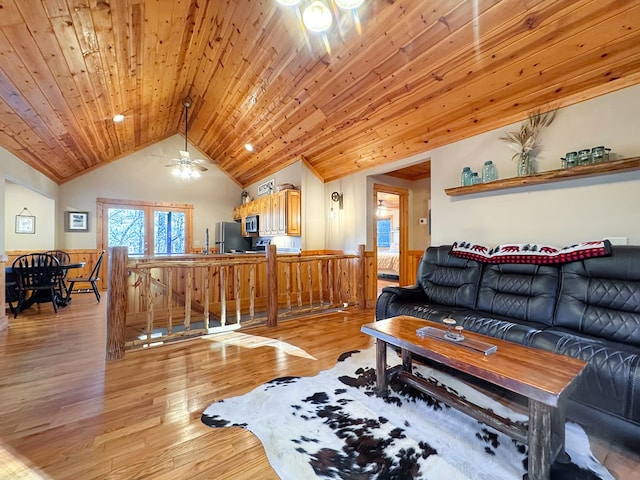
column 421, row 74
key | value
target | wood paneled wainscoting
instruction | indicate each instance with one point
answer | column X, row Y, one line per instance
column 170, row 298
column 88, row 256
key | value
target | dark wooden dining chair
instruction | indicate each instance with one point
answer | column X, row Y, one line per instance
column 63, row 258
column 92, row 280
column 37, row 277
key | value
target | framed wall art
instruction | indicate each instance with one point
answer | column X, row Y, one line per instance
column 76, row 221
column 25, row 222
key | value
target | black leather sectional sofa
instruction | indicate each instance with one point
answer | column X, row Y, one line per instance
column 588, row 309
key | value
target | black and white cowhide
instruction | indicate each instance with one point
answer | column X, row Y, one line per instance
column 334, row 426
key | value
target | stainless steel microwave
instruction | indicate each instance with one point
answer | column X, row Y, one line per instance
column 252, row 224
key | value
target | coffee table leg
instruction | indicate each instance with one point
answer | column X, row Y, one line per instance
column 406, row 360
column 539, row 441
column 558, row 418
column 381, row 366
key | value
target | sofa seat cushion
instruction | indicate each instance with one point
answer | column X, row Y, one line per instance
column 521, row 292
column 611, row 380
column 415, row 308
column 497, row 326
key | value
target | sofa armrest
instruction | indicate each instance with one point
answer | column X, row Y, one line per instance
column 412, row 293
column 397, row 294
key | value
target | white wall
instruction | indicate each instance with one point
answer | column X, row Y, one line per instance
column 18, row 172
column 39, row 206
column 143, row 176
column 558, row 213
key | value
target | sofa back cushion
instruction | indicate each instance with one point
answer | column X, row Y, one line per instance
column 448, row 280
column 519, row 291
column 601, row 296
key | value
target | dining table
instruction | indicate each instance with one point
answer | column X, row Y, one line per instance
column 11, row 288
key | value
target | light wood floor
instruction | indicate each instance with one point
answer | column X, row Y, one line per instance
column 68, row 414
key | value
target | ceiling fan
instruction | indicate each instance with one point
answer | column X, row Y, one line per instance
column 184, row 167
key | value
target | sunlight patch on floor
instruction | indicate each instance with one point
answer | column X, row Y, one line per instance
column 13, row 467
column 254, row 341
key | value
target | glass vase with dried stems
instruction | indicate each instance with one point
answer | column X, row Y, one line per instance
column 525, row 140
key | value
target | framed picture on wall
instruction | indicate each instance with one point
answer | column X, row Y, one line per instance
column 76, row 221
column 25, row 224
column 266, row 188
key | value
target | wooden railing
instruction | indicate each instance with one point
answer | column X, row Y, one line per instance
column 170, row 299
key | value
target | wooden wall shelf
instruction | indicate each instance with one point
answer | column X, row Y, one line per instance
column 607, row 168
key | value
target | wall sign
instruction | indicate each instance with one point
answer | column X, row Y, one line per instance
column 76, row 221
column 266, row 188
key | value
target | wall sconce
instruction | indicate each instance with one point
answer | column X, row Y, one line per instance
column 336, row 197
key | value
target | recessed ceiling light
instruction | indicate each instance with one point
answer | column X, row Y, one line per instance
column 248, row 147
column 118, row 118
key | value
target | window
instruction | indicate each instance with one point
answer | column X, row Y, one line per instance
column 384, row 232
column 168, row 233
column 146, row 228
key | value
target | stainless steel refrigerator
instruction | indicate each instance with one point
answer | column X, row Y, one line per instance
column 228, row 236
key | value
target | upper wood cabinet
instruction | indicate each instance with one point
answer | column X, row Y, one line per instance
column 293, row 207
column 280, row 213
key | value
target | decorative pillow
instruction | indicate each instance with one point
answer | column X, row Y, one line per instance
column 531, row 253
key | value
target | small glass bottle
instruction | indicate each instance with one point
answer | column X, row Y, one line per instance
column 489, row 172
column 475, row 179
column 465, row 177
column 572, row 159
column 584, row 157
column 600, row 154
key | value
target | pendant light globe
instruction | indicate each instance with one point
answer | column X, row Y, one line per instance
column 349, row 4
column 317, row 17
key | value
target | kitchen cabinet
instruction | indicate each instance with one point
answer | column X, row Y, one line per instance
column 264, row 207
column 293, row 212
column 280, row 213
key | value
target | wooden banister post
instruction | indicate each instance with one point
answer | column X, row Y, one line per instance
column 4, row 320
column 362, row 286
column 272, row 286
column 117, row 302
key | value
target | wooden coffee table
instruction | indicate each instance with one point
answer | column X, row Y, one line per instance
column 544, row 378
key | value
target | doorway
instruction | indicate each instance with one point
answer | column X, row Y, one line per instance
column 390, row 234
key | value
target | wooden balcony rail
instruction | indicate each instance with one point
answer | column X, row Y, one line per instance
column 168, row 299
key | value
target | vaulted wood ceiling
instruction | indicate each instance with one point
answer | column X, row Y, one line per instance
column 421, row 74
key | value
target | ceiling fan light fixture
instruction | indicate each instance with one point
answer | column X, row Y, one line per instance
column 317, row 17
column 349, row 4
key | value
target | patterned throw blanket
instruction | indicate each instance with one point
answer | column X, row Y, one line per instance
column 530, row 252
column 334, row 426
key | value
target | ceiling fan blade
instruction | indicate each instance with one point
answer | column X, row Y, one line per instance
column 201, row 168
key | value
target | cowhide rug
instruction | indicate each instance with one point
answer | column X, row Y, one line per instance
column 334, row 426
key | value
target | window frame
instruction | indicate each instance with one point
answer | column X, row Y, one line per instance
column 149, row 209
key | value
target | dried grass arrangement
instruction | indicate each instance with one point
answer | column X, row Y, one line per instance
column 525, row 140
